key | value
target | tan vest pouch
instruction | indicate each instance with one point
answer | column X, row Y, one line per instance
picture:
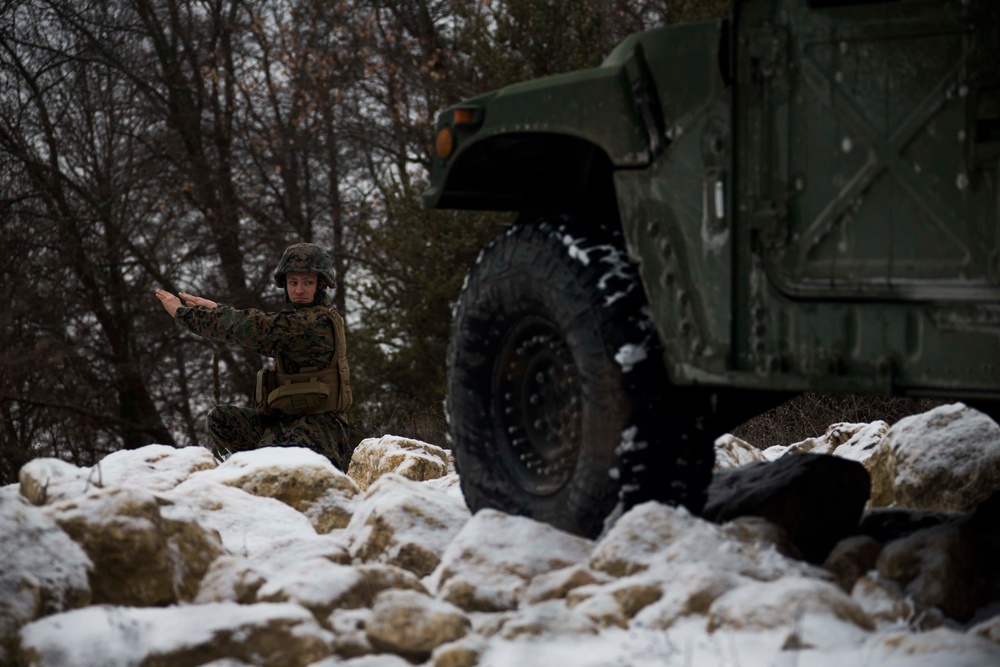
column 267, row 381
column 301, row 393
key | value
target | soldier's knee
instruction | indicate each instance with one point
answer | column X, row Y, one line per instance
column 216, row 418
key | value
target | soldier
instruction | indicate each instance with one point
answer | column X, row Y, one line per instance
column 301, row 403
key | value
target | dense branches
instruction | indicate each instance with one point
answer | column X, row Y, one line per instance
column 184, row 143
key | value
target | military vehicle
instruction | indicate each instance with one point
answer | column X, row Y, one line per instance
column 800, row 197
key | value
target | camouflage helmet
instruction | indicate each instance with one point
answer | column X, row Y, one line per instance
column 306, row 258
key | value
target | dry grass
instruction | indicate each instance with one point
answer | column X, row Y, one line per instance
column 809, row 415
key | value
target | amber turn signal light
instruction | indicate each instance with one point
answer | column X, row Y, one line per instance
column 444, row 143
column 463, row 116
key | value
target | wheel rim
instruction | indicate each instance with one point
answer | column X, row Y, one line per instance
column 536, row 397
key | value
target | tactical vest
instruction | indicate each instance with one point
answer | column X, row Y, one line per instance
column 311, row 391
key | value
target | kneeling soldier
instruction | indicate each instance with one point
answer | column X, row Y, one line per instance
column 301, row 404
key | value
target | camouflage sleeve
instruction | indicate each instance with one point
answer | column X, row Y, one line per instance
column 304, row 337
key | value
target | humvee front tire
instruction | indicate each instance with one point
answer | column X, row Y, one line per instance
column 557, row 397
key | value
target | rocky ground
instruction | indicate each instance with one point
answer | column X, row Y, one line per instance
column 866, row 545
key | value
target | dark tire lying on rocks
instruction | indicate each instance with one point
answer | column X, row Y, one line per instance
column 558, row 399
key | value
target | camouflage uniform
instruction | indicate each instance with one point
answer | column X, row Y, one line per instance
column 303, row 337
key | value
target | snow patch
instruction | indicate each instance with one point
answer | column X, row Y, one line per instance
column 630, row 354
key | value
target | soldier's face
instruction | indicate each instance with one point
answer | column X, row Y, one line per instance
column 301, row 286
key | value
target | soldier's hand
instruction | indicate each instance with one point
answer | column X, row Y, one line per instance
column 170, row 302
column 191, row 300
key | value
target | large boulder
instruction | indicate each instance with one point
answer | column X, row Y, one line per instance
column 278, row 635
column 405, row 523
column 952, row 566
column 947, row 459
column 298, row 477
column 43, row 570
column 818, row 499
column 143, row 554
column 412, row 459
column 490, row 562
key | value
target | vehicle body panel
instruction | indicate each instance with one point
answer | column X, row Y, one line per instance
column 809, row 189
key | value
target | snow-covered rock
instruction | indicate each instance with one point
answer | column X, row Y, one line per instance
column 153, row 467
column 890, row 607
column 248, row 524
column 404, row 523
column 947, row 459
column 412, row 459
column 690, row 591
column 494, row 556
column 811, row 612
column 545, row 619
column 732, row 452
column 43, row 571
column 298, row 477
column 864, row 443
column 144, row 554
column 413, row 624
column 837, row 435
column 105, row 636
column 652, row 535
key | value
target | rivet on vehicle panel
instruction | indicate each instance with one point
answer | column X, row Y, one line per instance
column 846, row 145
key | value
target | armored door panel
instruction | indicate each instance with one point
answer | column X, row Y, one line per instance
column 877, row 168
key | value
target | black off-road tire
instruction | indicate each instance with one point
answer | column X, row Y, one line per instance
column 558, row 399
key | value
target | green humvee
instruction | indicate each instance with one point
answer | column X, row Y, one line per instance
column 801, row 197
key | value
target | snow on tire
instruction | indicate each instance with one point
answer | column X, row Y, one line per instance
column 558, row 399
